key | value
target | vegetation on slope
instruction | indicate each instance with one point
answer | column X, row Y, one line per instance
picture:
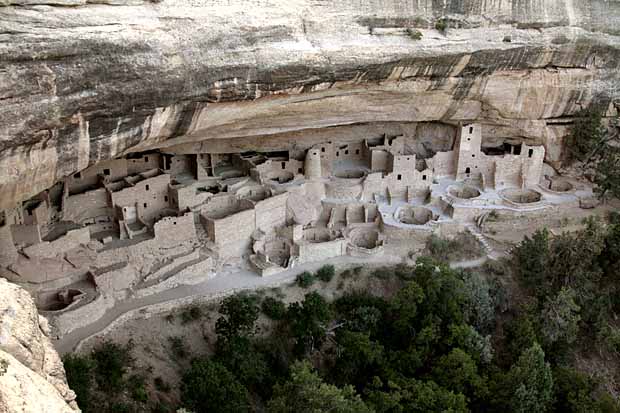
column 446, row 340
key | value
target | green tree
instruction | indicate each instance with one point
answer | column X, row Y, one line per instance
column 407, row 395
column 587, row 135
column 560, row 317
column 79, row 371
column 607, row 173
column 358, row 357
column 239, row 315
column 111, row 363
column 458, row 372
column 531, row 381
column 209, row 387
column 532, row 259
column 305, row 392
column 308, row 321
column 239, row 355
column 480, row 306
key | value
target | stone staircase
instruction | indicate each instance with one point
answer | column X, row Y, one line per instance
column 475, row 231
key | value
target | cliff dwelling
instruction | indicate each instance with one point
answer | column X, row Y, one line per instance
column 138, row 224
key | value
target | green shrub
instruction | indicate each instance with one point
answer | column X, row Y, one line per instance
column 273, row 308
column 414, row 34
column 191, row 313
column 137, row 389
column 111, row 361
column 463, row 246
column 305, row 279
column 326, row 273
column 79, row 371
column 441, row 26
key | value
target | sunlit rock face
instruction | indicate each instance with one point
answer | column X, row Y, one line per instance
column 96, row 80
column 32, row 377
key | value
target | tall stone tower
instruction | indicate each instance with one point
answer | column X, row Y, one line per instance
column 312, row 164
column 469, row 153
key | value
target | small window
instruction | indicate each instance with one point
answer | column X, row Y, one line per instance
column 471, row 130
column 346, row 152
column 530, row 153
column 299, row 170
column 77, row 175
column 424, row 177
column 473, row 155
column 174, row 222
column 147, row 187
column 468, row 170
column 517, row 149
column 357, row 151
column 165, row 198
column 337, row 153
column 106, row 172
column 322, row 149
column 283, row 165
column 145, row 204
column 468, row 139
column 146, row 159
column 399, row 177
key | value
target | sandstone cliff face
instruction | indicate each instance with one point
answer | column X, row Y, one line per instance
column 32, row 378
column 83, row 81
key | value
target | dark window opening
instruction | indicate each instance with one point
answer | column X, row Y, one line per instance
column 106, row 172
column 517, row 149
column 473, row 156
column 337, row 153
column 530, row 153
column 346, row 152
column 147, row 187
column 145, row 204
column 468, row 170
column 322, row 149
column 77, row 175
column 146, row 159
column 471, row 130
column 283, row 165
column 299, row 170
column 174, row 222
column 29, row 212
column 424, row 177
column 357, row 151
column 399, row 177
column 165, row 198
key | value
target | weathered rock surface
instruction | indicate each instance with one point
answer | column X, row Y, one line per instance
column 34, row 380
column 89, row 82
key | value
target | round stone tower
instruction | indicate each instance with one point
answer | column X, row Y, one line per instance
column 312, row 164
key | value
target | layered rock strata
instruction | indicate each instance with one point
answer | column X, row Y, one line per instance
column 90, row 82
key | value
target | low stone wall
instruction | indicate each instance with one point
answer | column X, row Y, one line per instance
column 82, row 316
column 176, row 262
column 320, row 251
column 194, row 274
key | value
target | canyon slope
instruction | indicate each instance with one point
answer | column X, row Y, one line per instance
column 84, row 81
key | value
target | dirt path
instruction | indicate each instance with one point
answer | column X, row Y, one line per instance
column 227, row 281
